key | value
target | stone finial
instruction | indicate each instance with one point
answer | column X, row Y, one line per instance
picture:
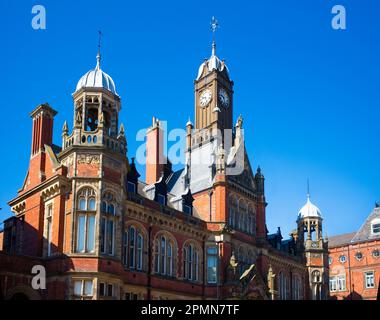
column 121, row 132
column 65, row 128
column 239, row 122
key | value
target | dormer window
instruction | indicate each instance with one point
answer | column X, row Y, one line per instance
column 375, row 226
column 131, row 187
column 161, row 199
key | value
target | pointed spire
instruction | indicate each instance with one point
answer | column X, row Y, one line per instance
column 65, row 128
column 213, row 49
column 308, row 190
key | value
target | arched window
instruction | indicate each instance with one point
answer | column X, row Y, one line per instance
column 242, row 223
column 296, row 288
column 86, row 200
column 85, row 221
column 283, row 286
column 92, row 119
column 232, row 210
column 252, row 220
column 164, row 256
column 316, row 276
column 107, row 224
column 134, row 248
column 108, row 203
column 191, row 264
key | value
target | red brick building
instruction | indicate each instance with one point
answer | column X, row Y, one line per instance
column 354, row 260
column 196, row 233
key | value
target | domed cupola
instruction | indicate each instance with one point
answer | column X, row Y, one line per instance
column 213, row 63
column 309, row 210
column 97, row 78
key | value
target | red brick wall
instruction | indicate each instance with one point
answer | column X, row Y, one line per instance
column 354, row 269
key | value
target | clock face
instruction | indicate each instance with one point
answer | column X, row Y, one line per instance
column 205, row 98
column 224, row 98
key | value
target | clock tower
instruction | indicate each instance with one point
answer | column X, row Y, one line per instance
column 213, row 95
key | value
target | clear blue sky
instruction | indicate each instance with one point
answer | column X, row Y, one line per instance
column 309, row 94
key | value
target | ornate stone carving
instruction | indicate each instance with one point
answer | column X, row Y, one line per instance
column 88, row 159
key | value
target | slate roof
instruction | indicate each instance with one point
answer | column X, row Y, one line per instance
column 341, row 239
column 175, row 183
column 364, row 233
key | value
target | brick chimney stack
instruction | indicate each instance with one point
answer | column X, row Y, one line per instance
column 155, row 159
column 42, row 133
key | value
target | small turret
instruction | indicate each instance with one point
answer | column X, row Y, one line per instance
column 259, row 177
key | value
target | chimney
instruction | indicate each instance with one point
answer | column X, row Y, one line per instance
column 42, row 132
column 155, row 159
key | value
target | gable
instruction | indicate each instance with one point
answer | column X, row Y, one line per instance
column 246, row 178
column 365, row 232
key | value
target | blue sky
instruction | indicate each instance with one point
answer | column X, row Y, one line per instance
column 309, row 94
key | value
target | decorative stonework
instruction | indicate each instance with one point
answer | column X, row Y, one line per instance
column 19, row 208
column 88, row 159
column 52, row 191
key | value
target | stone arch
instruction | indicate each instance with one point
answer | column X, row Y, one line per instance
column 139, row 229
column 169, row 236
column 200, row 261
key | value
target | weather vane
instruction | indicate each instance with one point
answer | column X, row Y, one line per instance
column 98, row 57
column 100, row 40
column 214, row 25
